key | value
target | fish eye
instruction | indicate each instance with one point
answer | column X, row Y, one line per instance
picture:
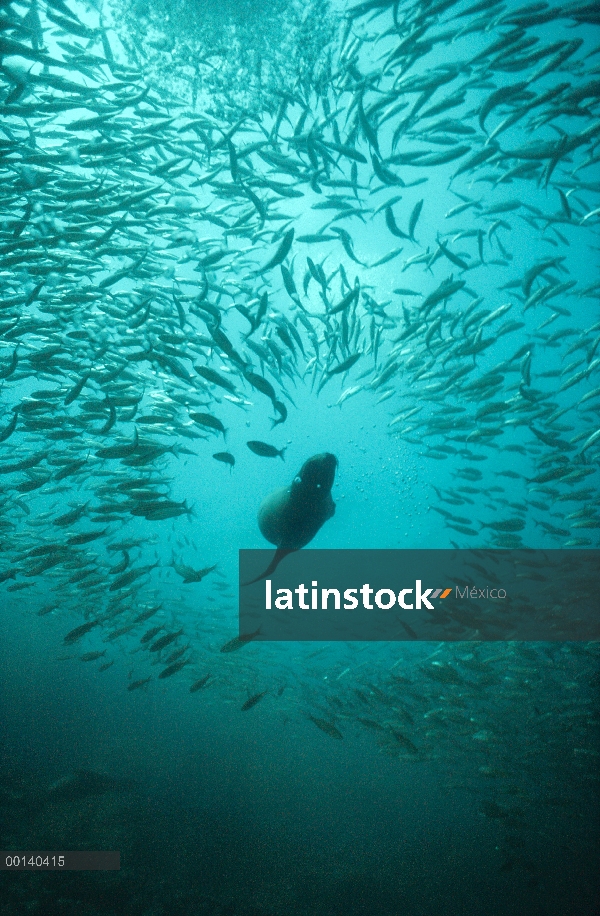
column 318, row 486
column 297, row 480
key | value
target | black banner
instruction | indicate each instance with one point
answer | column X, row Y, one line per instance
column 451, row 595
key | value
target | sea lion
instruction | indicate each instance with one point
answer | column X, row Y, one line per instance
column 291, row 516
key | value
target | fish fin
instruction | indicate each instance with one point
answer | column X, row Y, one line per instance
column 280, row 553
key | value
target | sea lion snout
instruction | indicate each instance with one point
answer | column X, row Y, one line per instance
column 318, row 473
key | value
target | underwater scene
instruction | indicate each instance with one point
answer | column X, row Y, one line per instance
column 243, row 244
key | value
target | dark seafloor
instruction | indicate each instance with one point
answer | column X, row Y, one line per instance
column 366, row 229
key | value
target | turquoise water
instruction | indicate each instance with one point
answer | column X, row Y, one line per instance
column 155, row 158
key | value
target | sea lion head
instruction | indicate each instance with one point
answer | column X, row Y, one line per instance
column 316, row 475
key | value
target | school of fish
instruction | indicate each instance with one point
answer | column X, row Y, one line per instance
column 163, row 264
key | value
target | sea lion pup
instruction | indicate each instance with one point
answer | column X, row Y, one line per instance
column 291, row 516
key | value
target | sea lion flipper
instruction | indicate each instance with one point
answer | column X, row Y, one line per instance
column 278, row 556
